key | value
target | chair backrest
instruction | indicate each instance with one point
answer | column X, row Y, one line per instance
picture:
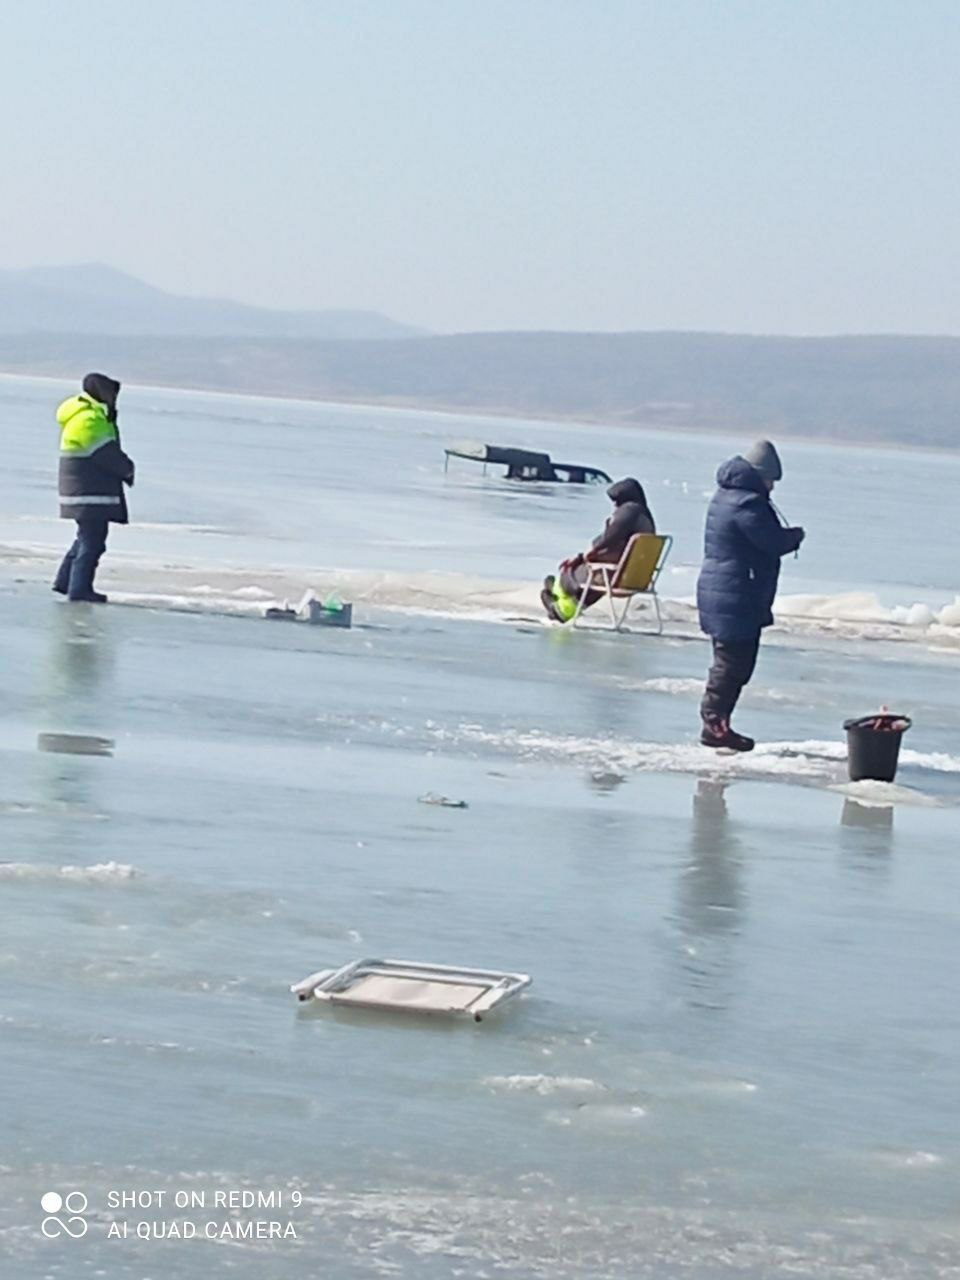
column 640, row 561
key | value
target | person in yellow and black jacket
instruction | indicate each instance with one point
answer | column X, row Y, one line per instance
column 93, row 471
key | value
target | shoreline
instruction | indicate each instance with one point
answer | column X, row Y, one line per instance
column 469, row 413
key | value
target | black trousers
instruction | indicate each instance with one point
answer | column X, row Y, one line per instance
column 79, row 566
column 733, row 665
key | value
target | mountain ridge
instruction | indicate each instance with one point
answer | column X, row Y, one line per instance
column 887, row 389
column 95, row 298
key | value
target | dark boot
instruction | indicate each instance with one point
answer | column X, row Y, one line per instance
column 61, row 583
column 548, row 600
column 92, row 597
column 719, row 734
column 87, row 550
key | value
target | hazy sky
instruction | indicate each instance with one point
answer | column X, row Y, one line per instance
column 747, row 165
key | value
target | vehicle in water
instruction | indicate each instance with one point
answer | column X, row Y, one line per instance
column 525, row 464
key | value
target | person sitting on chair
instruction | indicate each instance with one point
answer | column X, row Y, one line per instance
column 631, row 515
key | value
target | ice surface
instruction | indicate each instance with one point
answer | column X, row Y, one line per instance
column 739, row 1054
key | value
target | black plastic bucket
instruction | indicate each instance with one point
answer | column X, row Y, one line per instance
column 873, row 746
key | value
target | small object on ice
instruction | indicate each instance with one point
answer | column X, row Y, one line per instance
column 432, row 797
column 606, row 779
column 412, row 987
column 331, row 612
column 75, row 744
column 282, row 612
column 873, row 745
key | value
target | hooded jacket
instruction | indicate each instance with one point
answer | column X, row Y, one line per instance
column 93, row 467
column 631, row 515
column 743, row 544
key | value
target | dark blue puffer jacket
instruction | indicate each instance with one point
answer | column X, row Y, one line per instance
column 742, row 545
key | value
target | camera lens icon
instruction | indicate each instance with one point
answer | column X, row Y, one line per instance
column 75, row 1204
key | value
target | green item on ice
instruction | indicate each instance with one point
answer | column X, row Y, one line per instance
column 566, row 605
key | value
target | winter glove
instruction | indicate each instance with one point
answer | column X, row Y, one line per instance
column 797, row 536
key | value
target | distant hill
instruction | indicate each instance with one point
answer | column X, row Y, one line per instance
column 894, row 389
column 97, row 299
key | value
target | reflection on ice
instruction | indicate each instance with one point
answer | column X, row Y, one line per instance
column 875, row 817
column 711, row 901
column 712, row 895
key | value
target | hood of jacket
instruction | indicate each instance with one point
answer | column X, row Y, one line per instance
column 627, row 491
column 737, row 473
column 103, row 389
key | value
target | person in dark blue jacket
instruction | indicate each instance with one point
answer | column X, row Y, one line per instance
column 744, row 541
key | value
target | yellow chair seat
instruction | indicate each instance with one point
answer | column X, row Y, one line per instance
column 635, row 574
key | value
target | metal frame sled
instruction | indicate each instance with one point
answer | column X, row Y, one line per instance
column 635, row 574
column 412, row 987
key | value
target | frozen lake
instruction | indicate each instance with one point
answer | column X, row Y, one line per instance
column 739, row 1053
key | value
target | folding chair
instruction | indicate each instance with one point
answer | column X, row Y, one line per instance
column 635, row 575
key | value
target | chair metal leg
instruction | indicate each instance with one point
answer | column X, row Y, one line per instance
column 613, row 612
column 580, row 599
column 618, row 619
column 656, row 607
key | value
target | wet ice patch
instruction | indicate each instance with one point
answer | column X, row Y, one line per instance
column 209, row 603
column 812, row 762
column 664, row 684
column 145, row 1046
column 240, row 593
column 610, row 1117
column 713, row 1088
column 173, row 526
column 542, row 1084
column 96, row 873
column 883, row 794
column 101, row 871
column 690, row 687
column 908, row 1159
